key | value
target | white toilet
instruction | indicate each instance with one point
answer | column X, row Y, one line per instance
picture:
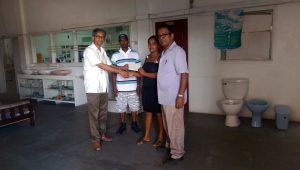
column 234, row 90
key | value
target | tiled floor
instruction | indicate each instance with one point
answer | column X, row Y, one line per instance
column 60, row 140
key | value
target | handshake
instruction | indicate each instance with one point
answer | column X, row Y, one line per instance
column 129, row 70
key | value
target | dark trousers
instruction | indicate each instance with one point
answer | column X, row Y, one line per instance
column 97, row 111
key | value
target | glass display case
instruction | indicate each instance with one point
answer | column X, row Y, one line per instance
column 31, row 88
column 58, row 89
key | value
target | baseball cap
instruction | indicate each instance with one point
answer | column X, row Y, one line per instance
column 123, row 36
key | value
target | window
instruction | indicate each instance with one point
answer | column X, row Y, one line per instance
column 42, row 44
column 84, row 39
column 256, row 38
column 64, row 47
column 112, row 38
column 64, row 44
column 111, row 45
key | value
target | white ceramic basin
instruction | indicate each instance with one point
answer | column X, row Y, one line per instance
column 61, row 71
column 45, row 71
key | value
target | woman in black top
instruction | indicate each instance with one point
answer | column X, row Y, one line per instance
column 149, row 93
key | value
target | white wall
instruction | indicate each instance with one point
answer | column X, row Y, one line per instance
column 276, row 81
column 55, row 15
column 9, row 18
column 163, row 6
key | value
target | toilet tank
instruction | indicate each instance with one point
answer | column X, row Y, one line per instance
column 235, row 88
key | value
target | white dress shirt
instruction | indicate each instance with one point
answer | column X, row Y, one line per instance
column 95, row 79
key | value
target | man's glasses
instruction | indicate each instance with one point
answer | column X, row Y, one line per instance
column 163, row 35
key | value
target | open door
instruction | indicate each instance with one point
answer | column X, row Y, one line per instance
column 180, row 29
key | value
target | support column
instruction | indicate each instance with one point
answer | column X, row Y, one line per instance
column 24, row 39
column 2, row 71
column 75, row 47
column 33, row 51
column 52, row 48
column 143, row 33
column 143, row 27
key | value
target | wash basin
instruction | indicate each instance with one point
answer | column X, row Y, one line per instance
column 257, row 105
column 45, row 71
column 61, row 72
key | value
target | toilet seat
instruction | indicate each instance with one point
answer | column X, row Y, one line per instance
column 232, row 101
column 232, row 106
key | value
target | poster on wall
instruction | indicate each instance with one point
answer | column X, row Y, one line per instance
column 228, row 28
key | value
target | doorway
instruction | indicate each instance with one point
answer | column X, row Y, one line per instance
column 180, row 28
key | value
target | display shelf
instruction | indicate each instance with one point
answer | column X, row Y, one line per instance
column 58, row 89
column 31, row 88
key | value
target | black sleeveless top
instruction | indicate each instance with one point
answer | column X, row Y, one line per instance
column 150, row 67
column 149, row 89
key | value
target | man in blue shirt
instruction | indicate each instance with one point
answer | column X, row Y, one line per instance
column 172, row 80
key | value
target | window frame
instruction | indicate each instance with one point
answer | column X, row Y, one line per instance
column 52, row 49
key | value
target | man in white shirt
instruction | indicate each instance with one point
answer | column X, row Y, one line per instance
column 96, row 64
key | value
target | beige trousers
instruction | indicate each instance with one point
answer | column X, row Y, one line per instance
column 173, row 120
column 97, row 111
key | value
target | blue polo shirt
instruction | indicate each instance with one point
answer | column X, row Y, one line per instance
column 171, row 65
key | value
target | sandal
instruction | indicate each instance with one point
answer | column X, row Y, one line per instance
column 96, row 145
column 141, row 141
column 159, row 143
column 105, row 138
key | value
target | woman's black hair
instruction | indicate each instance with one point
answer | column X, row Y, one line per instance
column 157, row 42
column 153, row 37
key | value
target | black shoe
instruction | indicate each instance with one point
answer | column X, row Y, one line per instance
column 122, row 128
column 135, row 127
column 163, row 149
column 171, row 161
